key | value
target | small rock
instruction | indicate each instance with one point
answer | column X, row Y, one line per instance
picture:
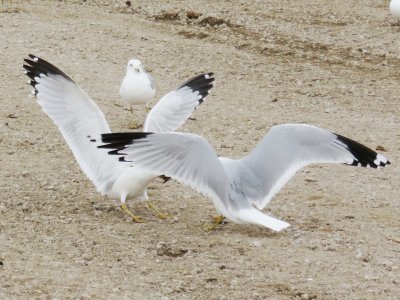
column 227, row 146
column 222, row 267
column 193, row 15
column 310, row 180
column 130, row 263
column 380, row 148
column 165, row 250
column 26, row 207
column 212, row 21
column 255, row 244
column 168, row 16
column 305, row 296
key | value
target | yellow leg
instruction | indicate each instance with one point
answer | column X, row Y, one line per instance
column 154, row 208
column 133, row 124
column 217, row 220
column 136, row 219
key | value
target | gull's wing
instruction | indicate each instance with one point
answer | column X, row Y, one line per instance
column 287, row 148
column 78, row 118
column 176, row 107
column 185, row 157
column 150, row 80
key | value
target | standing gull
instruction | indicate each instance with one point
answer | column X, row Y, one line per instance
column 81, row 121
column 394, row 8
column 137, row 87
column 236, row 186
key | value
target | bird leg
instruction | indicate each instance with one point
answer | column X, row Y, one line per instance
column 217, row 220
column 155, row 209
column 133, row 124
column 135, row 218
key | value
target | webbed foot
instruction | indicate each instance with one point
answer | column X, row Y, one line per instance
column 212, row 226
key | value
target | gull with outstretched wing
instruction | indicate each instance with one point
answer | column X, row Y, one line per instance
column 81, row 123
column 241, row 188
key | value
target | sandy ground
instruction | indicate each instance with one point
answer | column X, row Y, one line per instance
column 332, row 64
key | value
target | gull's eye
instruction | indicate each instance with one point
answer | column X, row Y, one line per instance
column 130, row 65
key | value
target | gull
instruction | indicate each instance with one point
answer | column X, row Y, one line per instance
column 137, row 87
column 394, row 8
column 80, row 121
column 240, row 188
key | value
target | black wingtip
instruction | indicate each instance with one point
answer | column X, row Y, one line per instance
column 119, row 141
column 35, row 67
column 122, row 137
column 202, row 83
column 364, row 156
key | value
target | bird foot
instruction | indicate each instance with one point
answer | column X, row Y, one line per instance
column 135, row 218
column 212, row 226
column 158, row 213
column 133, row 125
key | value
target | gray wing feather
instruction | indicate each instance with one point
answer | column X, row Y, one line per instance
column 151, row 80
column 185, row 157
column 284, row 150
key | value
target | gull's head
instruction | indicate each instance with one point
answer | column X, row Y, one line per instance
column 134, row 65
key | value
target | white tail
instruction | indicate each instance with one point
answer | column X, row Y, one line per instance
column 254, row 216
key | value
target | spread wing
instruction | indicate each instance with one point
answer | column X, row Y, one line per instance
column 173, row 109
column 185, row 157
column 287, row 148
column 78, row 118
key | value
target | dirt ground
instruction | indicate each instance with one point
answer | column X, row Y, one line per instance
column 334, row 64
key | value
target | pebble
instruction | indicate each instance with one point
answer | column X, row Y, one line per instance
column 130, row 263
column 255, row 244
column 305, row 296
column 193, row 15
column 380, row 148
column 26, row 207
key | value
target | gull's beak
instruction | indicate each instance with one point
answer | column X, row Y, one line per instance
column 137, row 70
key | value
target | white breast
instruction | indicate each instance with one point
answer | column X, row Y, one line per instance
column 131, row 184
column 136, row 89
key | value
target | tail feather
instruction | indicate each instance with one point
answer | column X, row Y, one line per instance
column 254, row 216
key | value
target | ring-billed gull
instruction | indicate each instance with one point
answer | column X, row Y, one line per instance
column 236, row 186
column 137, row 87
column 80, row 121
column 394, row 8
